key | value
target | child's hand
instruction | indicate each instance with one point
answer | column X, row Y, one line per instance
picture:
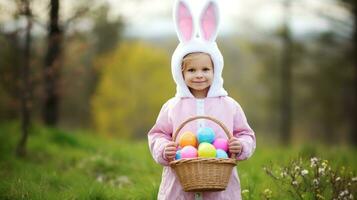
column 234, row 146
column 170, row 150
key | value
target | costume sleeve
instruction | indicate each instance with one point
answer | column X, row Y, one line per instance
column 160, row 135
column 244, row 133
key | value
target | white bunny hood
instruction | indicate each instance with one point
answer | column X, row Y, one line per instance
column 196, row 25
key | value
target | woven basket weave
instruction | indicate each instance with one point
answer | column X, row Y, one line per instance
column 203, row 174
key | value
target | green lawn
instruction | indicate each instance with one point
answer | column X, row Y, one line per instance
column 82, row 165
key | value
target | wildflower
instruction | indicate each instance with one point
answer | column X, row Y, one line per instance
column 245, row 191
column 313, row 162
column 297, row 168
column 315, row 182
column 283, row 174
column 321, row 171
column 354, row 179
column 324, row 163
column 100, row 178
column 314, row 159
column 267, row 193
column 351, row 196
column 304, row 172
column 338, row 179
column 294, row 183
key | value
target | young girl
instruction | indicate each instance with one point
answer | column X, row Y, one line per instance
column 197, row 66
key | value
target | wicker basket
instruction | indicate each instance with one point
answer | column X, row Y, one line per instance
column 203, row 174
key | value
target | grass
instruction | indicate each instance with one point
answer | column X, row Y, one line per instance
column 83, row 165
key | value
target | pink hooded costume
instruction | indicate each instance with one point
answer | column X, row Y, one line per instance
column 197, row 32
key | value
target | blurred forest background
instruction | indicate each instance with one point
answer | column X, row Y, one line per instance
column 76, row 65
column 82, row 82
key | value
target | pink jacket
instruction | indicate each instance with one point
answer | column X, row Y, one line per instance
column 178, row 109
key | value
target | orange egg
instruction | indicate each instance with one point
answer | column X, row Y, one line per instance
column 188, row 138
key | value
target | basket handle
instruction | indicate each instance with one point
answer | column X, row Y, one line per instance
column 225, row 129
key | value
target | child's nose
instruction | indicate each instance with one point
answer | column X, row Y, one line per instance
column 199, row 74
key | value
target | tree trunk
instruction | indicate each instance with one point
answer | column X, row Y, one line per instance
column 286, row 86
column 25, row 85
column 353, row 137
column 52, row 67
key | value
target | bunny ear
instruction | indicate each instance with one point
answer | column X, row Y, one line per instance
column 183, row 21
column 209, row 21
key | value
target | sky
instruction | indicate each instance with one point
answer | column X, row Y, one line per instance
column 145, row 17
column 236, row 16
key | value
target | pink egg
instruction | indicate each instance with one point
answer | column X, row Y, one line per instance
column 221, row 143
column 188, row 152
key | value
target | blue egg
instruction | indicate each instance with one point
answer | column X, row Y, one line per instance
column 205, row 134
column 221, row 154
column 178, row 154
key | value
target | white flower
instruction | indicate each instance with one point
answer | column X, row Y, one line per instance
column 313, row 162
column 268, row 193
column 315, row 181
column 351, row 196
column 283, row 174
column 314, row 159
column 338, row 179
column 267, row 190
column 354, row 179
column 304, row 172
column 294, row 183
column 297, row 168
column 245, row 191
column 100, row 178
column 321, row 171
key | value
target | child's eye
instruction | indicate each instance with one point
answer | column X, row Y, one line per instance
column 206, row 69
column 190, row 70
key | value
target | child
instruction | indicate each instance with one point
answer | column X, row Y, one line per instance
column 197, row 66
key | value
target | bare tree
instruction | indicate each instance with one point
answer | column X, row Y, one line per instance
column 354, row 53
column 351, row 5
column 286, row 76
column 52, row 66
column 26, row 84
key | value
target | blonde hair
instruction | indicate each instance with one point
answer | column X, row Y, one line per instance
column 192, row 56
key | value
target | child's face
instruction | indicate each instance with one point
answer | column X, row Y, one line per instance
column 198, row 74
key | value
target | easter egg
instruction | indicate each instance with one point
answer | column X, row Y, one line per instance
column 206, row 150
column 188, row 152
column 221, row 154
column 221, row 143
column 178, row 154
column 205, row 134
column 188, row 139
